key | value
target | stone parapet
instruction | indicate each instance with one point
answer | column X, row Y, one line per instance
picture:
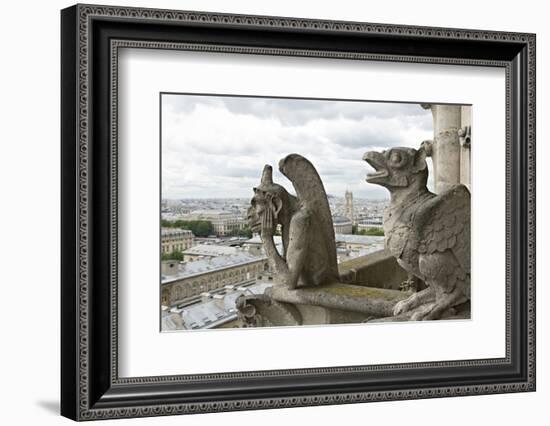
column 372, row 302
column 336, row 303
column 378, row 269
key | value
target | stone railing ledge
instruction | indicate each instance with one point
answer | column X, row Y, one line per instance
column 375, row 302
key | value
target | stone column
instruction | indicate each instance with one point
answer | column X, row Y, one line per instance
column 446, row 146
column 465, row 139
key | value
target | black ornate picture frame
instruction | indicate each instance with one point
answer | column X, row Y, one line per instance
column 90, row 385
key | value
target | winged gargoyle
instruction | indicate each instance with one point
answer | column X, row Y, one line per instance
column 428, row 234
column 309, row 257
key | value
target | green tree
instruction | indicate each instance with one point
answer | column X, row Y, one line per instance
column 247, row 232
column 180, row 224
column 200, row 228
column 376, row 232
column 175, row 255
column 244, row 232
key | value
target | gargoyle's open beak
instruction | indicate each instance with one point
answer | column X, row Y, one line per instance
column 378, row 162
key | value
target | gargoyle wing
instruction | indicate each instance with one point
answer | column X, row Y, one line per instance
column 311, row 193
column 443, row 223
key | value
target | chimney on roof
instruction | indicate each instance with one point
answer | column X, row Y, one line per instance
column 169, row 267
column 219, row 300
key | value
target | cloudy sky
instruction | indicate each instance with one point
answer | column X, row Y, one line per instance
column 216, row 147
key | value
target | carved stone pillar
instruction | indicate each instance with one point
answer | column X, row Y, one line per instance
column 465, row 138
column 446, row 146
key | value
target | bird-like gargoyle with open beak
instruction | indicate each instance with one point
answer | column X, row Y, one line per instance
column 428, row 234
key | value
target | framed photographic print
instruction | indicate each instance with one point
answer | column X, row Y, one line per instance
column 263, row 212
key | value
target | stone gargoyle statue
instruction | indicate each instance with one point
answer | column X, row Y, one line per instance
column 309, row 257
column 428, row 234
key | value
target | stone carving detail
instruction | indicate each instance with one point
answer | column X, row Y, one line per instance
column 465, row 136
column 309, row 257
column 263, row 311
column 428, row 234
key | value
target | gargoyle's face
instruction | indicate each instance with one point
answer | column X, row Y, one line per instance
column 396, row 167
column 264, row 210
column 257, row 209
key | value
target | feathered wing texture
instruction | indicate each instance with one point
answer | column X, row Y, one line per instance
column 443, row 223
column 311, row 192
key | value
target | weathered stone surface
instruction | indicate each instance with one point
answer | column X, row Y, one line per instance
column 306, row 224
column 335, row 303
column 446, row 146
column 372, row 302
column 379, row 269
column 171, row 321
column 263, row 311
column 428, row 234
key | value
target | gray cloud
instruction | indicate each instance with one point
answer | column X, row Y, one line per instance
column 296, row 112
column 216, row 146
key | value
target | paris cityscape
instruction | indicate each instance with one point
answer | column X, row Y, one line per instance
column 210, row 256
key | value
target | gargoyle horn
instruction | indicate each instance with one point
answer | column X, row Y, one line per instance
column 267, row 175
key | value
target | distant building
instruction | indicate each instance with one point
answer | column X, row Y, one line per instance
column 254, row 245
column 207, row 251
column 184, row 280
column 342, row 225
column 175, row 239
column 223, row 222
column 370, row 223
column 351, row 242
column 214, row 310
column 209, row 240
column 352, row 246
column 222, row 241
column 349, row 213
